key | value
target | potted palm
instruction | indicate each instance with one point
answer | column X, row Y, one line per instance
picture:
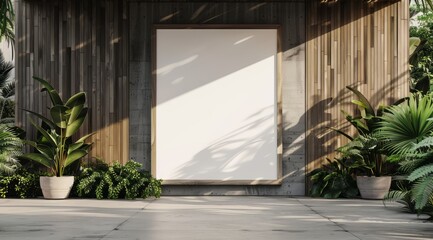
column 55, row 148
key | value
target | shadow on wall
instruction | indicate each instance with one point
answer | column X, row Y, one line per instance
column 237, row 154
column 95, row 57
column 325, row 140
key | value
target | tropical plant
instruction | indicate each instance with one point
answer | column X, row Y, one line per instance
column 407, row 124
column 366, row 150
column 117, row 181
column 366, row 154
column 425, row 5
column 7, row 90
column 333, row 180
column 56, row 150
column 418, row 167
column 421, row 53
column 7, row 17
column 365, row 123
column 10, row 148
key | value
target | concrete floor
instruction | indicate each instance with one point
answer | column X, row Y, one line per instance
column 209, row 218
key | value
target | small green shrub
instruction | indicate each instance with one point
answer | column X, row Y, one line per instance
column 22, row 184
column 116, row 182
column 333, row 180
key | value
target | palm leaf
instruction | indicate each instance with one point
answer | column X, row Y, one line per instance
column 407, row 124
column 8, row 90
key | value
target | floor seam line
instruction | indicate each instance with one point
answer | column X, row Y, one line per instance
column 127, row 219
column 329, row 219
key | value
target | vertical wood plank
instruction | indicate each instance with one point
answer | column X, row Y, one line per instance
column 369, row 51
column 77, row 46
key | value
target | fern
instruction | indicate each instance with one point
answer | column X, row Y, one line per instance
column 117, row 181
column 422, row 192
column 397, row 195
column 425, row 143
column 421, row 172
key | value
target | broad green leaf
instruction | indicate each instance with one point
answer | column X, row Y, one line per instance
column 75, row 112
column 46, row 85
column 366, row 104
column 37, row 157
column 75, row 126
column 76, row 99
column 44, row 133
column 74, row 147
column 45, row 150
column 54, row 95
column 360, row 104
column 82, row 139
column 58, row 113
column 413, row 44
column 43, row 118
column 74, row 156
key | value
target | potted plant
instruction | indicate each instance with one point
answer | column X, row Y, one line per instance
column 55, row 148
column 366, row 153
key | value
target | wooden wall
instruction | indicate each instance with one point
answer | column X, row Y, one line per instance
column 357, row 44
column 290, row 15
column 77, row 45
column 103, row 47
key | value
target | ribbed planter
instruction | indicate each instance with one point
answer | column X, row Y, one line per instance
column 373, row 187
column 56, row 187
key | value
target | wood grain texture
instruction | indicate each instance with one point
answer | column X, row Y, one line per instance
column 77, row 46
column 351, row 43
column 104, row 48
column 290, row 15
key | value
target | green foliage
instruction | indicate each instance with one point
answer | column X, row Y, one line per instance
column 421, row 60
column 7, row 17
column 402, row 195
column 22, row 184
column 117, row 181
column 10, row 148
column 333, row 180
column 7, row 91
column 406, row 124
column 55, row 149
column 8, row 114
column 366, row 150
column 367, row 122
column 418, row 167
column 365, row 153
column 424, row 5
column 422, row 192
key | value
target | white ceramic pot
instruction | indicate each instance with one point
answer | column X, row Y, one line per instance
column 373, row 187
column 56, row 187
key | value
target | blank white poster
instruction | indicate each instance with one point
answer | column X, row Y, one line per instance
column 216, row 104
